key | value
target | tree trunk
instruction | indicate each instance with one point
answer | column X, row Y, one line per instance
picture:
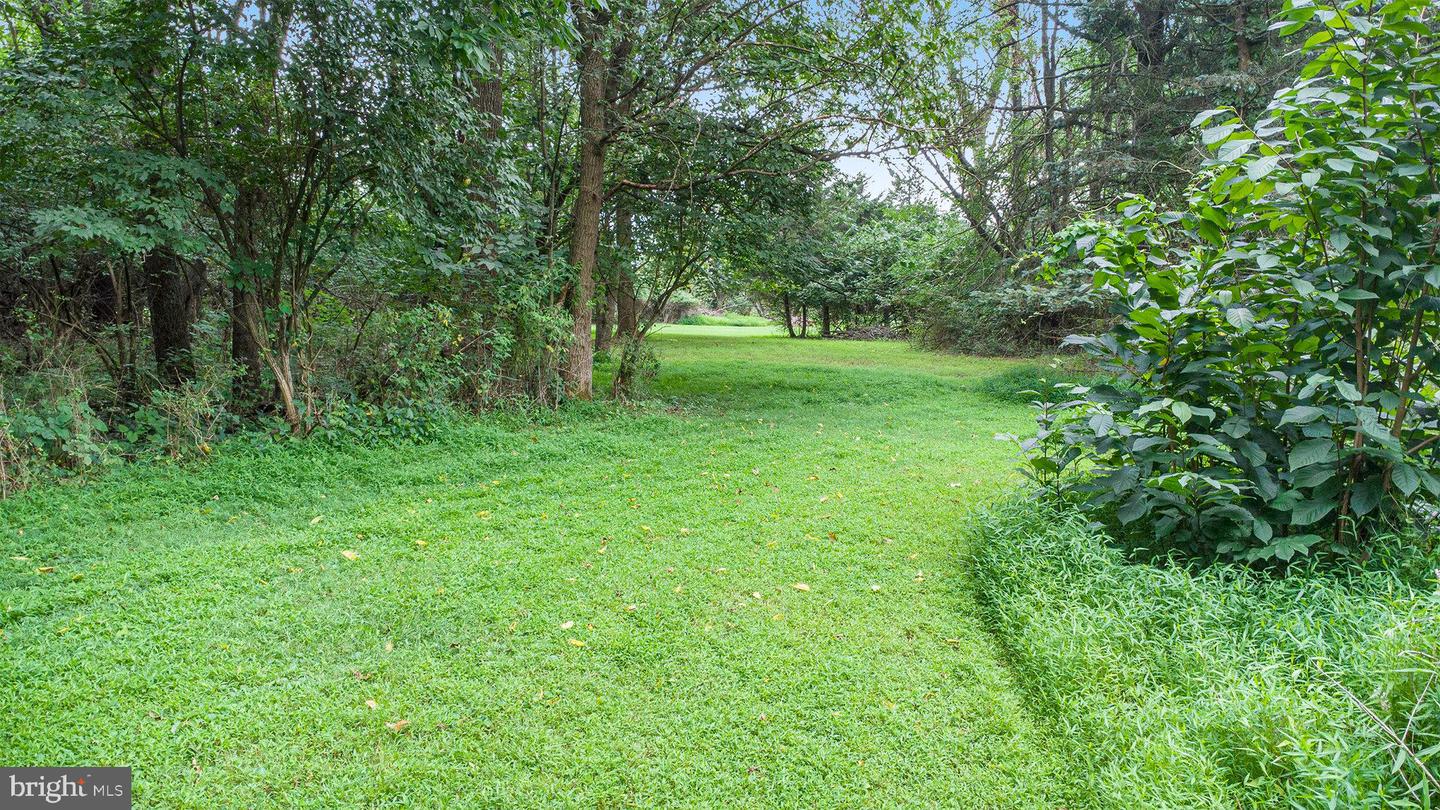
column 585, row 223
column 825, row 320
column 804, row 319
column 247, row 392
column 169, row 287
column 1240, row 11
column 627, row 315
column 789, row 318
column 604, row 314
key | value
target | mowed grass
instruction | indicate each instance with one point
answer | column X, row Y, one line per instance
column 597, row 607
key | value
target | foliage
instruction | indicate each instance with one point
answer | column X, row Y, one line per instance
column 1279, row 334
column 726, row 319
column 1221, row 688
column 1016, row 317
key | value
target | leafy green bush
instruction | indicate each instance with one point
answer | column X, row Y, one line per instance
column 728, row 319
column 1020, row 317
column 1221, row 688
column 1280, row 332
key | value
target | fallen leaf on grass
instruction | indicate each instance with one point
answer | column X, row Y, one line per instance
column 575, row 642
column 48, row 569
column 567, row 625
column 800, row 586
column 316, row 519
column 875, row 588
column 398, row 725
column 757, row 595
column 349, row 555
column 372, row 704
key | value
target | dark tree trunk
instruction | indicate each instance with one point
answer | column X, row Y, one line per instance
column 585, row 222
column 789, row 318
column 604, row 320
column 825, row 320
column 627, row 315
column 169, row 286
column 1240, row 12
column 804, row 319
column 247, row 392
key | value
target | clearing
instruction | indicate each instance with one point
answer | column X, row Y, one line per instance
column 596, row 607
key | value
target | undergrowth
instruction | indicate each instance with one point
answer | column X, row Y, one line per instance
column 1220, row 688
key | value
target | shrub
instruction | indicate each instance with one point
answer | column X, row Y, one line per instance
column 1279, row 334
column 1020, row 317
column 1221, row 688
column 725, row 319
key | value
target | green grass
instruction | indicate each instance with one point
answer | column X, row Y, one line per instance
column 203, row 626
column 1220, row 688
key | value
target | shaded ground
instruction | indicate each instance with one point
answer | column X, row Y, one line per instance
column 205, row 627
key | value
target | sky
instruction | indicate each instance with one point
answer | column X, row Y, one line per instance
column 877, row 177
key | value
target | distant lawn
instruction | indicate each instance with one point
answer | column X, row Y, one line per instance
column 599, row 608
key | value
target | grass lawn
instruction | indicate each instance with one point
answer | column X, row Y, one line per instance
column 599, row 607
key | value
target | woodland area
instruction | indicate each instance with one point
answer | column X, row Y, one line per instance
column 595, row 402
column 217, row 212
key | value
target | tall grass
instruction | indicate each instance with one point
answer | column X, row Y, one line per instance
column 1219, row 688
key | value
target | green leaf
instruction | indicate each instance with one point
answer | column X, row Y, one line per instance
column 1262, row 167
column 1364, row 153
column 1181, row 411
column 1365, row 496
column 1309, row 511
column 1348, row 390
column 1405, row 478
column 1131, row 510
column 1286, row 547
column 1241, row 318
column 1204, row 116
column 1312, row 451
column 1215, row 134
column 1263, row 531
column 1300, row 415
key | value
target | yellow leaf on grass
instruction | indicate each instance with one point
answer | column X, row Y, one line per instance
column 800, row 586
column 48, row 569
column 372, row 704
column 316, row 519
column 398, row 725
column 575, row 642
column 349, row 555
column 757, row 595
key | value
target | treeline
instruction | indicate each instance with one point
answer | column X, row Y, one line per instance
column 331, row 212
column 313, row 210
column 1011, row 121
